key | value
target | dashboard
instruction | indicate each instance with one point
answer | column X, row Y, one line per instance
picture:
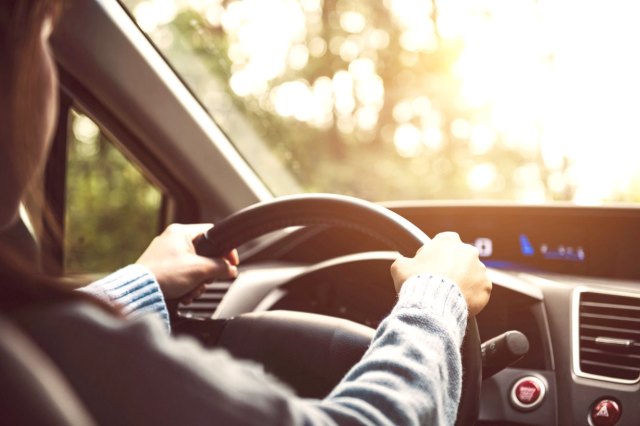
column 568, row 278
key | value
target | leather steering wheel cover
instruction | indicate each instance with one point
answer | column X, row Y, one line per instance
column 314, row 209
column 369, row 218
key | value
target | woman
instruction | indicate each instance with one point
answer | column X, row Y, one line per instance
column 132, row 372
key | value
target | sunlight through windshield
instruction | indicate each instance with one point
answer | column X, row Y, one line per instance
column 525, row 100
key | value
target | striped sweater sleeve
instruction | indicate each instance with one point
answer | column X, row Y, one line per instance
column 134, row 289
column 412, row 372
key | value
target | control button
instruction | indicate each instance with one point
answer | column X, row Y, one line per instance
column 606, row 412
column 528, row 393
column 484, row 246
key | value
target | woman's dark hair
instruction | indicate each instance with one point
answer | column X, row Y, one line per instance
column 21, row 24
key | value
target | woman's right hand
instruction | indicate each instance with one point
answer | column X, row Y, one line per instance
column 448, row 257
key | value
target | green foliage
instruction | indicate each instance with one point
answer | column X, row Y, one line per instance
column 362, row 163
column 112, row 211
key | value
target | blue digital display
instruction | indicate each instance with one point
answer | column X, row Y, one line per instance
column 563, row 252
column 525, row 246
column 526, row 251
column 551, row 251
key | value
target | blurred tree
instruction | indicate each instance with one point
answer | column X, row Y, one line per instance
column 112, row 210
column 371, row 148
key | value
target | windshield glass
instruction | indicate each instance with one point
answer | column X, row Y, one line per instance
column 525, row 100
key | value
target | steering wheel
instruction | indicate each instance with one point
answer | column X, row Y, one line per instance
column 324, row 344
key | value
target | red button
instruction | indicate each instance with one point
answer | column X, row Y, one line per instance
column 528, row 392
column 605, row 413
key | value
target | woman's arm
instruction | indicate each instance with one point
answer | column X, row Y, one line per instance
column 411, row 374
column 169, row 268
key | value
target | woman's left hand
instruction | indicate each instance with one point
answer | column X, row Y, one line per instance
column 180, row 271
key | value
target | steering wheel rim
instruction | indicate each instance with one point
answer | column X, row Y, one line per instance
column 314, row 209
column 344, row 211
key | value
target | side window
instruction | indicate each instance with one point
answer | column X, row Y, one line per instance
column 112, row 211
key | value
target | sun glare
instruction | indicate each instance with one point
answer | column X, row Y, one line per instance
column 560, row 77
column 555, row 80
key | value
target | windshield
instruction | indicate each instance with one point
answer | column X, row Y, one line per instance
column 524, row 100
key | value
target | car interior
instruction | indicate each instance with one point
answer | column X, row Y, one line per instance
column 558, row 343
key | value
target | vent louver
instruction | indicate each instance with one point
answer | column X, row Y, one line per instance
column 609, row 336
column 205, row 305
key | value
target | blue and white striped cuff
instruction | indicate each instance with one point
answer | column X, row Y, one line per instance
column 134, row 289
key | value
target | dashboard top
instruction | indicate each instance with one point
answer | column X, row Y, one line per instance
column 598, row 242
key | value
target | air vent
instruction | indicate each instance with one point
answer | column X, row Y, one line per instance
column 205, row 306
column 609, row 336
